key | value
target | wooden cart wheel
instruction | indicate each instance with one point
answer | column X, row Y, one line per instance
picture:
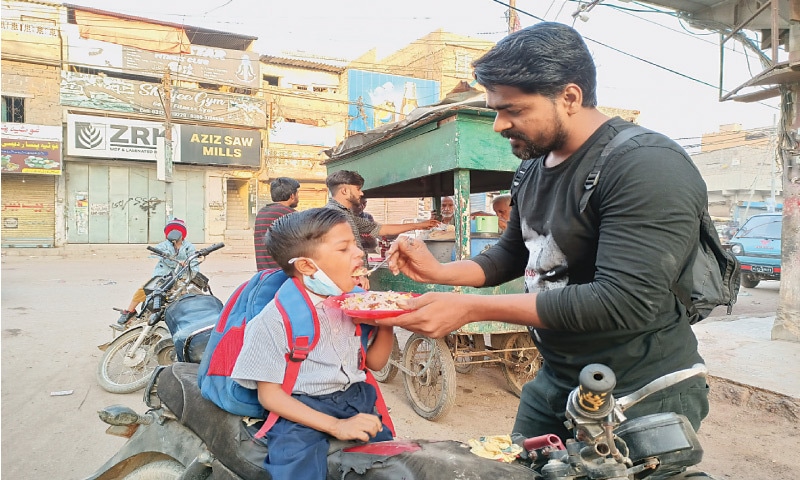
column 520, row 366
column 464, row 343
column 389, row 371
column 432, row 390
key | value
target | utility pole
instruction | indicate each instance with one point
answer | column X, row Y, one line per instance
column 513, row 17
column 787, row 319
column 166, row 176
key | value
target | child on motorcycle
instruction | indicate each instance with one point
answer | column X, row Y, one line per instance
column 330, row 397
column 178, row 248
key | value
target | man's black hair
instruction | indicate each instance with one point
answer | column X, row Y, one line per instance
column 297, row 234
column 541, row 59
column 343, row 177
column 282, row 188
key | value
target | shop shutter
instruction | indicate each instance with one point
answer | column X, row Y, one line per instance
column 28, row 213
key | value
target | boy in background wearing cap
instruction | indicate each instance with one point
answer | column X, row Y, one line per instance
column 178, row 248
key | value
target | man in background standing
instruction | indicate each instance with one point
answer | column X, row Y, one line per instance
column 283, row 191
column 344, row 187
column 368, row 242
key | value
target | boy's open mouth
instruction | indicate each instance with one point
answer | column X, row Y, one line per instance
column 359, row 272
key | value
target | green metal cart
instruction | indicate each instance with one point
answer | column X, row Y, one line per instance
column 440, row 151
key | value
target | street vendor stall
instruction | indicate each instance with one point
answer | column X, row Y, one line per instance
column 443, row 150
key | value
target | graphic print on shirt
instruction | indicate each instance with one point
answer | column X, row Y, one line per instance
column 547, row 267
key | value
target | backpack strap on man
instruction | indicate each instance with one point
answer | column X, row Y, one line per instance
column 594, row 176
column 519, row 176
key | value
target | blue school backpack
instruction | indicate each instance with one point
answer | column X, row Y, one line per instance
column 225, row 344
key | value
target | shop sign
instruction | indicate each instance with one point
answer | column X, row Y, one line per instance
column 227, row 146
column 112, row 138
column 130, row 96
column 204, row 64
column 34, row 149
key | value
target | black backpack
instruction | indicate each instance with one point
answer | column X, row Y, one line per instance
column 715, row 271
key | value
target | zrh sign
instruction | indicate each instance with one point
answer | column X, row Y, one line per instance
column 101, row 137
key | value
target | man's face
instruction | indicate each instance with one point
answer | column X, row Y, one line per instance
column 338, row 256
column 353, row 196
column 448, row 207
column 532, row 123
column 295, row 200
column 503, row 210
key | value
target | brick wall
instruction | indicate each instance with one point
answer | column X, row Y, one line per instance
column 39, row 85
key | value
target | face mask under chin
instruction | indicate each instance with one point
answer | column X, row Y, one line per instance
column 320, row 283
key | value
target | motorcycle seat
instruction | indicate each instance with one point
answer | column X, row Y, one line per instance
column 226, row 435
column 191, row 319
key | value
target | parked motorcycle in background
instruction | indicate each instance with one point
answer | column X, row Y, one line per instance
column 183, row 435
column 184, row 301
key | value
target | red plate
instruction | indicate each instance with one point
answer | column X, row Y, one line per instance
column 367, row 314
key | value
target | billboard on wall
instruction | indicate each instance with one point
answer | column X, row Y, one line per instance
column 105, row 137
column 119, row 138
column 205, row 64
column 377, row 99
column 132, row 96
column 226, row 146
column 30, row 148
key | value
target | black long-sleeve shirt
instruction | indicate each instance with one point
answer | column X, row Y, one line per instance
column 611, row 266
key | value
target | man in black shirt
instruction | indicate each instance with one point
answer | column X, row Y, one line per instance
column 598, row 279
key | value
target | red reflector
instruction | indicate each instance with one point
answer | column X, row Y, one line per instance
column 746, row 267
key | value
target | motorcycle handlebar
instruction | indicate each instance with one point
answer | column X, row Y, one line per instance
column 210, row 249
column 158, row 252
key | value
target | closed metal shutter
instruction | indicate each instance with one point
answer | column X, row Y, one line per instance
column 28, row 215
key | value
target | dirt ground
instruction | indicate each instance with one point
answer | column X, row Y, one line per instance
column 55, row 311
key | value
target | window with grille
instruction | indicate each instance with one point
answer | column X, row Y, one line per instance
column 13, row 109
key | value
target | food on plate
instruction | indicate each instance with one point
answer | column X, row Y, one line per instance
column 371, row 301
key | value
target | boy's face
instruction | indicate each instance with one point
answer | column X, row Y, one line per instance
column 338, row 256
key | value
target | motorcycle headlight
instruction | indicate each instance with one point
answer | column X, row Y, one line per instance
column 737, row 249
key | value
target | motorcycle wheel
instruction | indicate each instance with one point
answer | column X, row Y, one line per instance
column 160, row 470
column 432, row 390
column 117, row 373
column 520, row 366
column 389, row 371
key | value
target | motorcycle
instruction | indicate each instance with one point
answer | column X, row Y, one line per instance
column 183, row 436
column 184, row 301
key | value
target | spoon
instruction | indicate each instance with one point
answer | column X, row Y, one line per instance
column 372, row 270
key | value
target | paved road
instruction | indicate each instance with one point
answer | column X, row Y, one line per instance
column 55, row 311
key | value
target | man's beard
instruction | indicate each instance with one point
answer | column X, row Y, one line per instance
column 355, row 202
column 531, row 149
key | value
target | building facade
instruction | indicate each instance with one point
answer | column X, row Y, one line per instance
column 32, row 171
column 740, row 170
column 125, row 95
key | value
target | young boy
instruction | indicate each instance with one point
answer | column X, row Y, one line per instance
column 176, row 245
column 330, row 397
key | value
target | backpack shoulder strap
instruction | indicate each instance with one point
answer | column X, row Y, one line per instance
column 302, row 328
column 522, row 172
column 594, row 176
